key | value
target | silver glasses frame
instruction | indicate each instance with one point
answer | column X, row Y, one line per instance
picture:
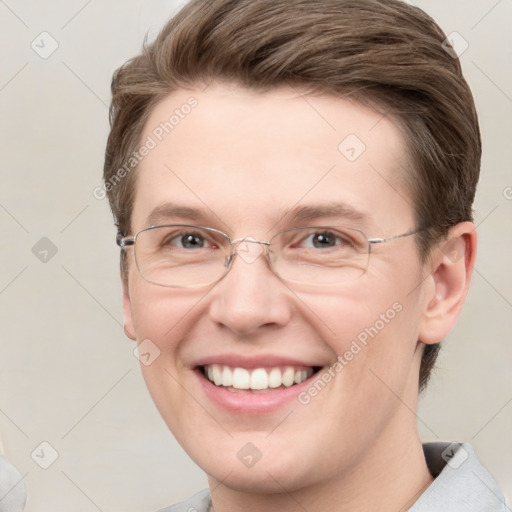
column 126, row 241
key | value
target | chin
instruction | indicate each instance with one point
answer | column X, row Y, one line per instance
column 262, row 481
column 269, row 475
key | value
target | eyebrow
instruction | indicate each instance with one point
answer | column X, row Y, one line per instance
column 313, row 212
column 167, row 211
column 298, row 214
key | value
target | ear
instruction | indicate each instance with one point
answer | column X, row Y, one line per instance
column 448, row 283
column 127, row 310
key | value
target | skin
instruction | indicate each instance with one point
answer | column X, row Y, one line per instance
column 246, row 158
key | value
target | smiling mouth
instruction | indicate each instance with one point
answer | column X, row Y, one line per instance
column 244, row 380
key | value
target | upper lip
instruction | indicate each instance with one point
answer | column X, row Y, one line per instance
column 260, row 361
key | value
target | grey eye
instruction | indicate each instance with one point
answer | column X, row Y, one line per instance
column 324, row 240
column 191, row 241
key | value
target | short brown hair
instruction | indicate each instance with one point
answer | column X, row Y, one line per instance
column 384, row 53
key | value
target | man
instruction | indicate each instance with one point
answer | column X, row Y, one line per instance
column 292, row 184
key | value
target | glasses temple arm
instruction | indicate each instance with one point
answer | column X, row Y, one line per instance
column 123, row 241
column 403, row 235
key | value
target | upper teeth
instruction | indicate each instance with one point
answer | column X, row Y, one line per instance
column 258, row 378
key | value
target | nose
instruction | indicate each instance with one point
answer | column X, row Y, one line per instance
column 250, row 296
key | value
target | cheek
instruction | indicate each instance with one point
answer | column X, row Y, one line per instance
column 373, row 332
column 375, row 346
column 162, row 314
column 163, row 320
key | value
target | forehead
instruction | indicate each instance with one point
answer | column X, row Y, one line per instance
column 245, row 157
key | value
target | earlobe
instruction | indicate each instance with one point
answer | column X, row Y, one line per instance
column 448, row 283
column 127, row 310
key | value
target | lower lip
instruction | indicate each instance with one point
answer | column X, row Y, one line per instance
column 251, row 403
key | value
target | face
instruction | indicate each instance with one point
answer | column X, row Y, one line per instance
column 246, row 162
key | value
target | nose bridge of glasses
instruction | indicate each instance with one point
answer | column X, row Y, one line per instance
column 247, row 248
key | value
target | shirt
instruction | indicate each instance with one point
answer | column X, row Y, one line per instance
column 13, row 493
column 461, row 484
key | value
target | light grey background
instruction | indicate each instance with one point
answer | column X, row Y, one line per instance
column 67, row 373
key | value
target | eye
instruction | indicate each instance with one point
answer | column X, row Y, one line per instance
column 325, row 240
column 187, row 240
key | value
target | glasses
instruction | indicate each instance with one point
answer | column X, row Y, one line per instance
column 187, row 256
